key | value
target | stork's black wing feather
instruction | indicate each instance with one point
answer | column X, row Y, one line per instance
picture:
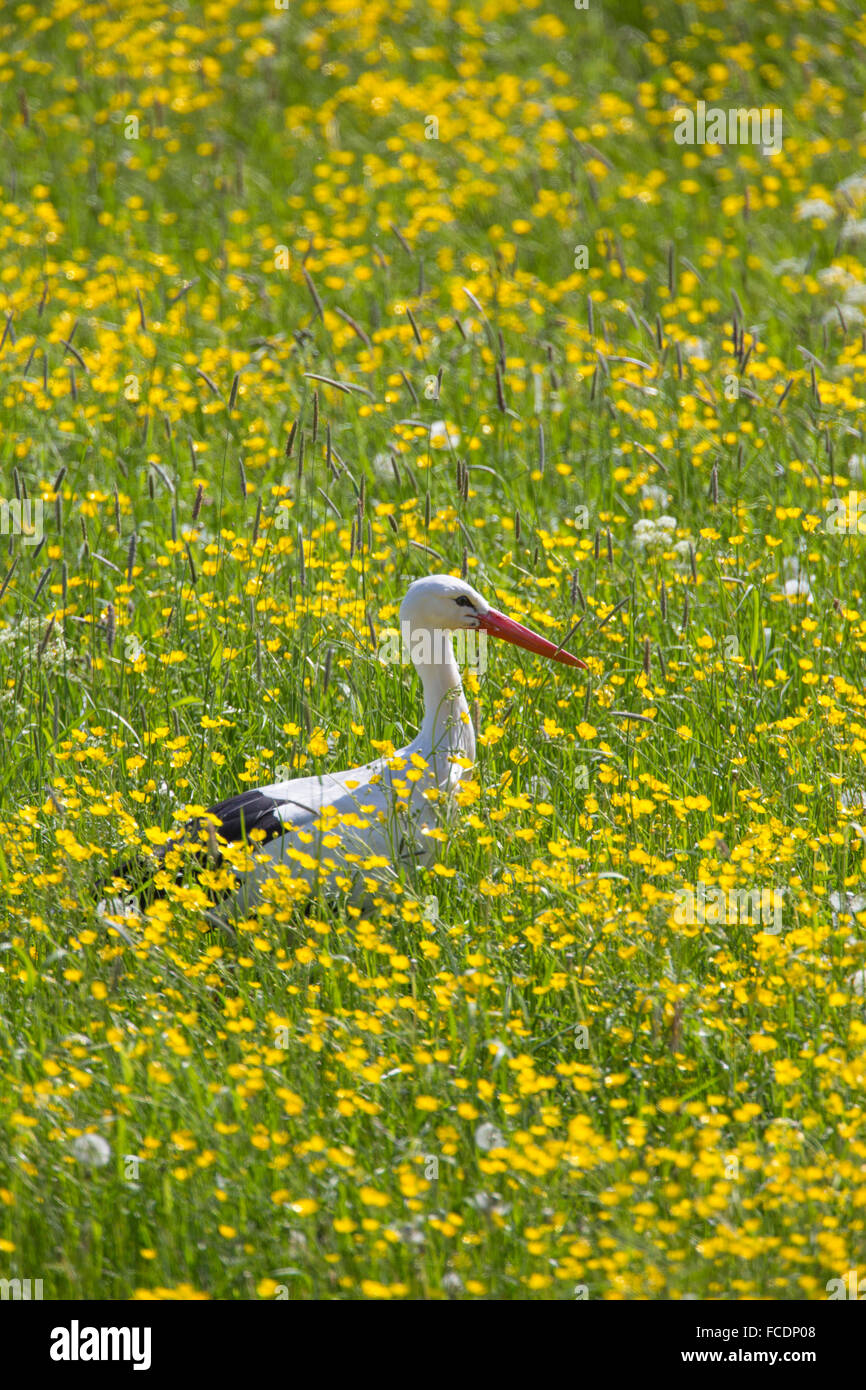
column 240, row 815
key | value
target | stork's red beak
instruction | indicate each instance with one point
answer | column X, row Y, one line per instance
column 499, row 626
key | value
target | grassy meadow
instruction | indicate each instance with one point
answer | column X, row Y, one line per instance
column 298, row 304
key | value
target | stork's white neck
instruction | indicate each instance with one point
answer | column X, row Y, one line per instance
column 447, row 729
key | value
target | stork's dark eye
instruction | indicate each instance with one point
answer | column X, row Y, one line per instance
column 465, row 602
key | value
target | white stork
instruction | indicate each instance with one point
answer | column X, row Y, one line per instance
column 335, row 830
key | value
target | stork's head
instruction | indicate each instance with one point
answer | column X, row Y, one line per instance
column 441, row 602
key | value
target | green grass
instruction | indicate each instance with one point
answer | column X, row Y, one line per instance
column 518, row 1074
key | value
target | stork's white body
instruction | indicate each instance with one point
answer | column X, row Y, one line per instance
column 342, row 825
